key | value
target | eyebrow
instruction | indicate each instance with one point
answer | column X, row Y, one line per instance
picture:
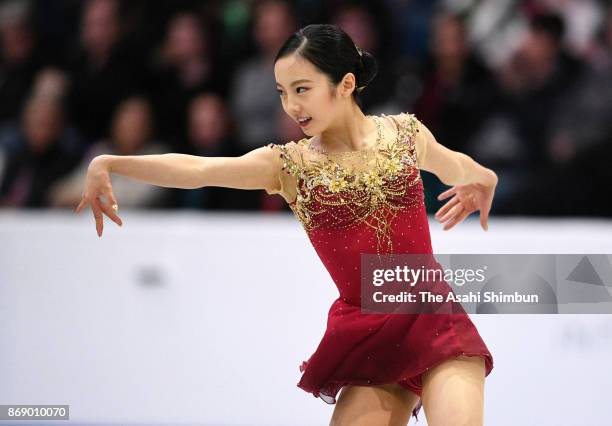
column 303, row 80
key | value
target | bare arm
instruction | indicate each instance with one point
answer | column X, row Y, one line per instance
column 254, row 170
column 451, row 167
column 257, row 169
column 473, row 184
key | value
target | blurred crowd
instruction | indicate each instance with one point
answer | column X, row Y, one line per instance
column 522, row 86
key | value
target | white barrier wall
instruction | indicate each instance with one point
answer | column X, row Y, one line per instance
column 204, row 319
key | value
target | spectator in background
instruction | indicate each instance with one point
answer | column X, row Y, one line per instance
column 360, row 24
column 43, row 150
column 410, row 22
column 581, row 17
column 184, row 66
column 51, row 82
column 18, row 59
column 547, row 120
column 457, row 94
column 601, row 60
column 209, row 130
column 584, row 117
column 458, row 90
column 254, row 99
column 577, row 181
column 535, row 81
column 104, row 70
column 131, row 134
column 209, row 126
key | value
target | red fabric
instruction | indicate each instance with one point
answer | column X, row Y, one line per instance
column 368, row 349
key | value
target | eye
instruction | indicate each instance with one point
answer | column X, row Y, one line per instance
column 298, row 88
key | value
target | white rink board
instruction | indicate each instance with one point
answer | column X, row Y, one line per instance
column 204, row 319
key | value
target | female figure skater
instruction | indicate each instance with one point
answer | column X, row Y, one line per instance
column 355, row 186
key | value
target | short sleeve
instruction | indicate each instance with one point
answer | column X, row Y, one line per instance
column 288, row 171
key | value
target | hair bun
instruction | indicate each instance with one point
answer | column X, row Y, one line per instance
column 369, row 68
column 334, row 53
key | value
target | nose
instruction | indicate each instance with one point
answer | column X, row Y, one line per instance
column 292, row 106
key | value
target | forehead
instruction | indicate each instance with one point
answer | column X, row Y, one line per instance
column 292, row 68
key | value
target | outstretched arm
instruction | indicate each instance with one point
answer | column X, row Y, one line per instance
column 257, row 169
column 473, row 185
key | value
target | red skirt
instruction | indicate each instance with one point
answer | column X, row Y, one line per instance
column 375, row 349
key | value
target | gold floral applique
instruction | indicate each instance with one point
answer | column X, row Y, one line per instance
column 360, row 187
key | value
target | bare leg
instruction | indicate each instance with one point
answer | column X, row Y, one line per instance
column 388, row 405
column 453, row 392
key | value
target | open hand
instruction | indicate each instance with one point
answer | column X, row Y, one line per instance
column 466, row 200
column 97, row 184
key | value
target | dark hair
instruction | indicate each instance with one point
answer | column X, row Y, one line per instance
column 549, row 23
column 334, row 53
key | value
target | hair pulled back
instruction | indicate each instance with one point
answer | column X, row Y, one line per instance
column 334, row 53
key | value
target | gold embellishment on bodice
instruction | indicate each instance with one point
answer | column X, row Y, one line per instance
column 347, row 188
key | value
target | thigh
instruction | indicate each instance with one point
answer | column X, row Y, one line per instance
column 389, row 405
column 453, row 392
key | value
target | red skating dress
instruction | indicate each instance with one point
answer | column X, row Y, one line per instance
column 367, row 202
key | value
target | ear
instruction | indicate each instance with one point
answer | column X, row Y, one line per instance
column 348, row 84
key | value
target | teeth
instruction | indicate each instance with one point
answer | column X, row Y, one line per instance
column 301, row 120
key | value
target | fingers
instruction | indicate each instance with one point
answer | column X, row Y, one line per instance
column 110, row 211
column 447, row 193
column 112, row 201
column 115, row 207
column 97, row 212
column 98, row 208
column 456, row 220
column 81, row 205
column 451, row 213
column 446, row 207
column 484, row 217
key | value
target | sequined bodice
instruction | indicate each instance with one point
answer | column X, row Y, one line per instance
column 368, row 201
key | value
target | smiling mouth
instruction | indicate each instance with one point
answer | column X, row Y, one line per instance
column 304, row 122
